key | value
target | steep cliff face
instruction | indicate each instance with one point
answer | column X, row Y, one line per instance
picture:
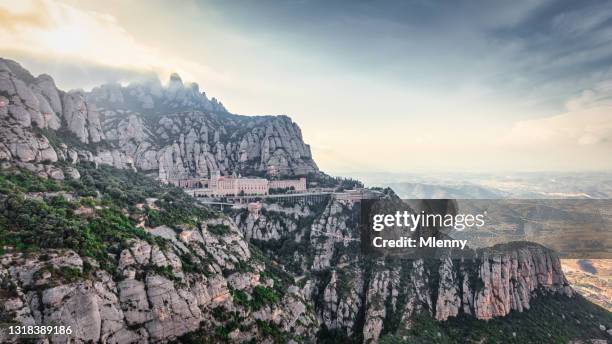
column 21, row 107
column 155, row 299
column 124, row 259
column 365, row 297
column 506, row 279
column 171, row 131
column 118, row 278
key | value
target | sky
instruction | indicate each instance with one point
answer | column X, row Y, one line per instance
column 379, row 86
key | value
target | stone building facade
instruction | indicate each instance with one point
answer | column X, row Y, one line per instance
column 218, row 185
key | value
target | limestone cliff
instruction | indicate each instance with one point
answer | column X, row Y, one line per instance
column 365, row 297
column 183, row 281
column 294, row 271
column 172, row 131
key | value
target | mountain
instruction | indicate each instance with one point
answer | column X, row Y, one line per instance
column 517, row 185
column 436, row 191
column 359, row 299
column 168, row 132
column 92, row 238
column 122, row 258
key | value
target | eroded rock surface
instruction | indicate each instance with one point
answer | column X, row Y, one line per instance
column 154, row 300
column 171, row 132
column 359, row 298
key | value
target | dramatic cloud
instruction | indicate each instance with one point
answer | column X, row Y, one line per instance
column 385, row 85
column 47, row 30
column 588, row 121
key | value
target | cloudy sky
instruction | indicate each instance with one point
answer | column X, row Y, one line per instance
column 402, row 86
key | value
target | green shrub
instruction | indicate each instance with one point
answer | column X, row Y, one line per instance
column 28, row 223
column 240, row 297
column 219, row 229
column 270, row 329
column 263, row 296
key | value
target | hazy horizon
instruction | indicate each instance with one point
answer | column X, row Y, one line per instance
column 389, row 86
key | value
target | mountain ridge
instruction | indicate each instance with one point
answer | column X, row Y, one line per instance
column 85, row 234
column 173, row 131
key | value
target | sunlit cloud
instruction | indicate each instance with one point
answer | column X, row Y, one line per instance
column 473, row 85
column 588, row 121
column 56, row 31
column 14, row 17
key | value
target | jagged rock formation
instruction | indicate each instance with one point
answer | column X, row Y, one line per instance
column 342, row 300
column 508, row 277
column 493, row 283
column 155, row 299
column 171, row 131
column 22, row 106
column 273, row 223
column 202, row 277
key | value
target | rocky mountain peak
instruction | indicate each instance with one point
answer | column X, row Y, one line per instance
column 16, row 69
column 172, row 131
column 175, row 83
column 195, row 88
column 175, row 79
column 151, row 95
column 207, row 275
